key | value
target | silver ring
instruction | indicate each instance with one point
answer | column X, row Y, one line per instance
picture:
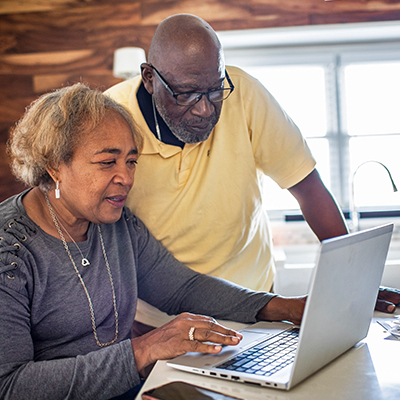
column 191, row 333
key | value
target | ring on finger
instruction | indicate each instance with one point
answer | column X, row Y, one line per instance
column 191, row 333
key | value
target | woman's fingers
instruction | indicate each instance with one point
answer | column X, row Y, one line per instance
column 206, row 335
column 186, row 333
column 210, row 335
column 207, row 329
column 201, row 347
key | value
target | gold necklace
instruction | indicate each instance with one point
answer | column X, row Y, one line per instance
column 85, row 262
column 92, row 316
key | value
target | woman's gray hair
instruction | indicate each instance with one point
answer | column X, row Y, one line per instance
column 48, row 133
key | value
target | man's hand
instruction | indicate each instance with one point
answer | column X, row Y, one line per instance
column 388, row 299
column 283, row 309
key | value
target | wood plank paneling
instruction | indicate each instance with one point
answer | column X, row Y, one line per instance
column 70, row 29
column 46, row 44
column 24, row 6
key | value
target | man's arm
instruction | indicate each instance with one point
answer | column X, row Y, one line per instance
column 282, row 308
column 324, row 217
column 319, row 208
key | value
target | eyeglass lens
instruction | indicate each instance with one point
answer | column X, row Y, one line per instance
column 191, row 98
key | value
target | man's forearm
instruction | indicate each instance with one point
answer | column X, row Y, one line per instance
column 283, row 309
column 319, row 208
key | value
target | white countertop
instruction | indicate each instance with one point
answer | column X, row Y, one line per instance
column 370, row 370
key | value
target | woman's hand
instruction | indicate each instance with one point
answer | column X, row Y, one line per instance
column 172, row 339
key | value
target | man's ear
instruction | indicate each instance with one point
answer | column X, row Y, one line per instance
column 147, row 77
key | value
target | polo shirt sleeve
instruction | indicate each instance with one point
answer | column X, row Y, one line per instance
column 280, row 150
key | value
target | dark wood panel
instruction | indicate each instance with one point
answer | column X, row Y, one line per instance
column 102, row 25
column 8, row 184
column 70, row 29
column 17, row 6
column 11, row 109
column 356, row 16
column 45, row 83
column 15, row 85
column 26, row 6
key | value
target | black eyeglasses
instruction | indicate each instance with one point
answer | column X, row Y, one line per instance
column 191, row 98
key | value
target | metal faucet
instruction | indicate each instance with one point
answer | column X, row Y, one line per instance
column 354, row 215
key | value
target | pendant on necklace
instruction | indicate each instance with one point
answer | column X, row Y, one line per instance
column 85, row 262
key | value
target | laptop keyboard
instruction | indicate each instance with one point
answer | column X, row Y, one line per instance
column 267, row 357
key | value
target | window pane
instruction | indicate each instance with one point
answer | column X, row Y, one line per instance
column 300, row 90
column 371, row 182
column 276, row 198
column 372, row 93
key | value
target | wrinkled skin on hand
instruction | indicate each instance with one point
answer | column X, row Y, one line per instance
column 388, row 299
column 172, row 339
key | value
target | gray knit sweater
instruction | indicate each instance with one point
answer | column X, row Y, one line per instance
column 47, row 347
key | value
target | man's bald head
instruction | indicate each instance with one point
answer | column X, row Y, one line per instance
column 184, row 38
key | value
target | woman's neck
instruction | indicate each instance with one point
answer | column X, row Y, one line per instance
column 38, row 210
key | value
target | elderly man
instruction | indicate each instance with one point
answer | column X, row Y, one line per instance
column 210, row 132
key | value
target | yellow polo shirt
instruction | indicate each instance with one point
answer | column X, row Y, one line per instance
column 203, row 202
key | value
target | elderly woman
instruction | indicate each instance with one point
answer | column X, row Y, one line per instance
column 74, row 260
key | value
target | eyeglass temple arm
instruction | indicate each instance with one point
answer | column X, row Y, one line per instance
column 229, row 80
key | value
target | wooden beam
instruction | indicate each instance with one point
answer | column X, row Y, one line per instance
column 40, row 59
column 45, row 83
column 25, row 6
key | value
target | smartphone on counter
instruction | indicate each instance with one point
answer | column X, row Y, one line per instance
column 184, row 391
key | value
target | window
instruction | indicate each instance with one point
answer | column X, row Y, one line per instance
column 300, row 90
column 345, row 98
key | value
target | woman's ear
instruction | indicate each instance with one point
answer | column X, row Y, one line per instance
column 147, row 77
column 53, row 173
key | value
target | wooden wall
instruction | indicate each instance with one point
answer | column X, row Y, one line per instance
column 45, row 44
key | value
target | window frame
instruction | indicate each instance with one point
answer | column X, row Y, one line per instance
column 332, row 50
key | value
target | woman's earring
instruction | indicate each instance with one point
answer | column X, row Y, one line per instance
column 57, row 190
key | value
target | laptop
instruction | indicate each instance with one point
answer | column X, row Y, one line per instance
column 340, row 305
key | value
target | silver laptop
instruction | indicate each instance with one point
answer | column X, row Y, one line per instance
column 337, row 315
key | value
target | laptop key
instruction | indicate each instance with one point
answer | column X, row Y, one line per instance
column 249, row 364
